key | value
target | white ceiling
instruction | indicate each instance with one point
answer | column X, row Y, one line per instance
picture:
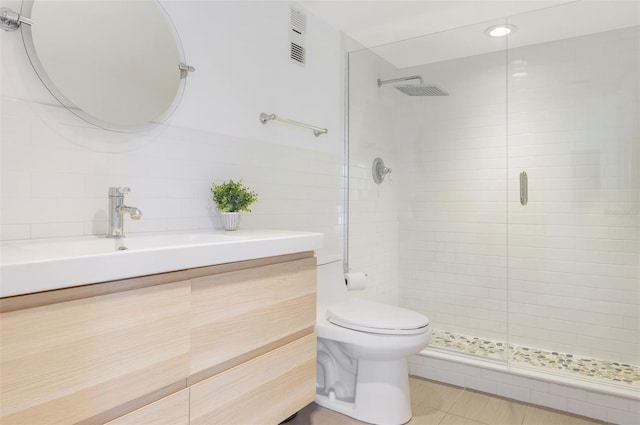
column 378, row 23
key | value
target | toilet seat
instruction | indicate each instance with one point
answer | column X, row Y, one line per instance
column 367, row 316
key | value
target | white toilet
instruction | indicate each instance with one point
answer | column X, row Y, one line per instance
column 362, row 351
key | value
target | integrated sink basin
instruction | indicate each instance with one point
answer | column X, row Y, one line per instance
column 44, row 264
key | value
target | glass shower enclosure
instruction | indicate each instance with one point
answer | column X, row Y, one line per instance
column 510, row 211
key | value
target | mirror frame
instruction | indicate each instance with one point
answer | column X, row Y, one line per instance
column 27, row 37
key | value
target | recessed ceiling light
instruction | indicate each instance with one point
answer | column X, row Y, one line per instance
column 500, row 30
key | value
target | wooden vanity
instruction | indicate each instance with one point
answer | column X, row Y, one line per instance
column 231, row 343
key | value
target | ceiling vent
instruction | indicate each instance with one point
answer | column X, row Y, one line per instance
column 297, row 31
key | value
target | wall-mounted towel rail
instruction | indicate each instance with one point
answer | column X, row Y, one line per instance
column 264, row 118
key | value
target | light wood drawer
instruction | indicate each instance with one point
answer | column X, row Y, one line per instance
column 171, row 410
column 265, row 390
column 72, row 361
column 241, row 314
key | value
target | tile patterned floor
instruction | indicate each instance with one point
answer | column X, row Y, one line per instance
column 585, row 366
column 434, row 403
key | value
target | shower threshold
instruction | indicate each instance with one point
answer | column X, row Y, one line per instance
column 620, row 373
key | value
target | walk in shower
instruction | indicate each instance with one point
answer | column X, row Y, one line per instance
column 511, row 216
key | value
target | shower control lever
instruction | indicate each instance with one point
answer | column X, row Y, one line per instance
column 379, row 171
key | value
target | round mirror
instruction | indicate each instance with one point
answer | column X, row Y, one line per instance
column 115, row 63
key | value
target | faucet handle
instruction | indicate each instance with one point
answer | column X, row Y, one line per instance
column 118, row 191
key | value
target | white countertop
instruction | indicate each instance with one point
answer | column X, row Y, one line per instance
column 44, row 264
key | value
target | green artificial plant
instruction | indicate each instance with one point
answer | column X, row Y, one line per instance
column 233, row 196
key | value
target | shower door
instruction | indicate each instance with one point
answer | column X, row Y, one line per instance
column 573, row 128
column 433, row 238
column 511, row 218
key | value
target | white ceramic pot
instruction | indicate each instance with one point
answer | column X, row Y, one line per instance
column 230, row 220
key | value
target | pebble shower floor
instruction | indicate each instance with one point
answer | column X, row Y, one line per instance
column 583, row 366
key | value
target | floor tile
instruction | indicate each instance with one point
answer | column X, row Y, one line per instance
column 424, row 415
column 487, row 409
column 432, row 394
column 317, row 415
column 450, row 419
column 433, row 403
column 539, row 416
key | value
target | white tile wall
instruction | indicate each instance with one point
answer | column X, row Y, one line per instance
column 56, row 169
column 453, row 225
column 170, row 179
column 569, row 260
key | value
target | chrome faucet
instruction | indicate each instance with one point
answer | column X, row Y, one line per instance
column 116, row 210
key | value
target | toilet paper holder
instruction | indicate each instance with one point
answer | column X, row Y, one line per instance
column 355, row 280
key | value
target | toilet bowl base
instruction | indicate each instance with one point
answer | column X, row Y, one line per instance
column 381, row 394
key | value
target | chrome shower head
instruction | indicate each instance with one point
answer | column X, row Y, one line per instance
column 415, row 89
column 395, row 80
column 420, row 90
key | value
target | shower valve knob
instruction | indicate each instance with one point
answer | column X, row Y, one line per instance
column 379, row 171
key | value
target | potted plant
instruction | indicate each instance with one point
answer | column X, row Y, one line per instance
column 232, row 197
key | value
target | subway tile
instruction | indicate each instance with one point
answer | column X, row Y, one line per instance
column 587, row 409
column 513, row 392
column 534, row 384
column 56, row 230
column 450, row 377
column 568, row 392
column 16, row 157
column 481, row 384
column 95, row 228
column 549, row 400
column 56, row 185
column 622, row 417
column 27, row 210
column 608, row 401
column 16, row 130
column 15, row 231
column 16, row 184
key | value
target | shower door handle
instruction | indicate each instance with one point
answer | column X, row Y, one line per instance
column 524, row 188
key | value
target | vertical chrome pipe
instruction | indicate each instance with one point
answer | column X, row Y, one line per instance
column 345, row 208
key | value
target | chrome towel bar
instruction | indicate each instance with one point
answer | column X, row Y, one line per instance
column 317, row 131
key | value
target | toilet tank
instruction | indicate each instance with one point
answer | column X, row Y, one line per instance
column 331, row 284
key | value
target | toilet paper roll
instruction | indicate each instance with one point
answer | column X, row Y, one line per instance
column 356, row 280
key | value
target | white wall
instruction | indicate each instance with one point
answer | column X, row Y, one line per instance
column 571, row 264
column 56, row 168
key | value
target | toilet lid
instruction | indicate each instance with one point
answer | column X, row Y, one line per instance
column 373, row 317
